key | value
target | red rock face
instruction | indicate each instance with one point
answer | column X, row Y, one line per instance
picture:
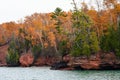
column 40, row 62
column 90, row 65
column 26, row 60
column 99, row 60
column 48, row 61
column 67, row 58
column 3, row 52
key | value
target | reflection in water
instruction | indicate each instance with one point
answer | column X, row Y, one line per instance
column 44, row 73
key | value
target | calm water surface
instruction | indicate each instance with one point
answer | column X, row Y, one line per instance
column 44, row 73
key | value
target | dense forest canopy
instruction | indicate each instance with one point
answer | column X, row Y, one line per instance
column 82, row 31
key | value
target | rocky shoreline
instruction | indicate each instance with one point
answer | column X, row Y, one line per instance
column 98, row 61
column 106, row 61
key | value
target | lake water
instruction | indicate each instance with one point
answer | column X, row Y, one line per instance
column 44, row 73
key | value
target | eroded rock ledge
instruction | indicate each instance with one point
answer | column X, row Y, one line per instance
column 99, row 61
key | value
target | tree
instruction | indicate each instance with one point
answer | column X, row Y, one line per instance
column 36, row 50
column 12, row 57
column 85, row 40
column 110, row 41
column 61, row 36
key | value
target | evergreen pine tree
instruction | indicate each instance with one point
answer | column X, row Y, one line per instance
column 85, row 40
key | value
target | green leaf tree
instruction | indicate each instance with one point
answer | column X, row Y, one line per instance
column 61, row 43
column 84, row 38
column 110, row 41
column 12, row 57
